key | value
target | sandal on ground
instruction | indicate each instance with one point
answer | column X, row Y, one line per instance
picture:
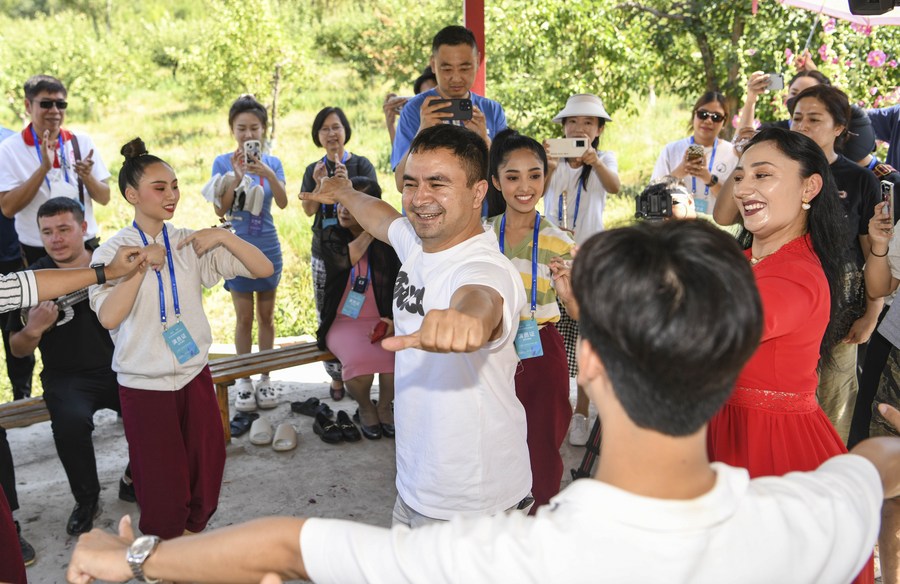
column 307, row 408
column 261, row 432
column 241, row 423
column 336, row 393
column 285, row 438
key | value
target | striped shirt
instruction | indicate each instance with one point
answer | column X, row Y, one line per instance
column 18, row 290
column 552, row 242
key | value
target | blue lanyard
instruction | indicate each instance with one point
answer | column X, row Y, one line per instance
column 711, row 160
column 873, row 163
column 63, row 162
column 162, row 295
column 534, row 255
column 559, row 211
column 325, row 161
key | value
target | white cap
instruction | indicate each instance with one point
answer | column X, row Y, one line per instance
column 583, row 104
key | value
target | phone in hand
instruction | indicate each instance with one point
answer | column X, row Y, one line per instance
column 567, row 147
column 887, row 196
column 379, row 331
column 695, row 152
column 252, row 149
column 460, row 108
column 776, row 82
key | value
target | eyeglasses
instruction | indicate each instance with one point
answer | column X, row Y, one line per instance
column 715, row 117
column 60, row 104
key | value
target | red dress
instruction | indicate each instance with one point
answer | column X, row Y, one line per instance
column 772, row 423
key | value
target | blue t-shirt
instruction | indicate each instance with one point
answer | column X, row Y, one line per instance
column 9, row 241
column 886, row 123
column 408, row 125
column 241, row 219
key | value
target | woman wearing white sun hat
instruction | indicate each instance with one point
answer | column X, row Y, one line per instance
column 574, row 199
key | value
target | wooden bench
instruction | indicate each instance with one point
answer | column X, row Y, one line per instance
column 225, row 371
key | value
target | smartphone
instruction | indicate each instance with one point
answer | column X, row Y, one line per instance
column 460, row 108
column 887, row 196
column 379, row 331
column 695, row 152
column 567, row 147
column 252, row 150
column 776, row 82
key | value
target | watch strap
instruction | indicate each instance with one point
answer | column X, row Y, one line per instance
column 100, row 269
column 136, row 559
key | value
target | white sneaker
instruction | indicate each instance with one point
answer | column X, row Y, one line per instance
column 265, row 395
column 578, row 430
column 246, row 396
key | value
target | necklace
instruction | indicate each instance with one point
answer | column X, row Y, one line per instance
column 755, row 260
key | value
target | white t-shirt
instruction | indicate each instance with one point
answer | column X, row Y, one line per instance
column 460, row 428
column 803, row 528
column 722, row 165
column 589, row 211
column 142, row 359
column 18, row 161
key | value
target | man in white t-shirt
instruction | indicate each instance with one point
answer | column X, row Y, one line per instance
column 45, row 160
column 656, row 510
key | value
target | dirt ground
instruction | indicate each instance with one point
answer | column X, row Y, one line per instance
column 348, row 481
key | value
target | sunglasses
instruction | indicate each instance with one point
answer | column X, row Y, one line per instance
column 60, row 104
column 705, row 115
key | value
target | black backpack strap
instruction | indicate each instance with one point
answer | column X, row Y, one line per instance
column 77, row 150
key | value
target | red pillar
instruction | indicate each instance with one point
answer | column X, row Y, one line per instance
column 473, row 18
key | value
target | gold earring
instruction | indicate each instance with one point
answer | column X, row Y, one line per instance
column 805, row 204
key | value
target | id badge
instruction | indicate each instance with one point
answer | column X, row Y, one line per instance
column 528, row 340
column 256, row 225
column 353, row 304
column 328, row 222
column 180, row 342
column 701, row 205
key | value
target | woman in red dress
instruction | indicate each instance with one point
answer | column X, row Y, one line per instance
column 772, row 423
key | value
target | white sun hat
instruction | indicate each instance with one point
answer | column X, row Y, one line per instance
column 583, row 104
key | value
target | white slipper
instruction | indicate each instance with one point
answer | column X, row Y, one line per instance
column 285, row 438
column 261, row 432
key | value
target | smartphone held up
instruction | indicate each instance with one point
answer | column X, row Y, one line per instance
column 567, row 147
column 887, row 197
column 252, row 151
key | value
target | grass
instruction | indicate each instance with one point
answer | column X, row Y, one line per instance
column 189, row 135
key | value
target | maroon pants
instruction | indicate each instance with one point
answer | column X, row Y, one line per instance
column 177, row 449
column 542, row 385
column 12, row 567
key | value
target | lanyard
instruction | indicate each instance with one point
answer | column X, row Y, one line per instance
column 534, row 255
column 63, row 162
column 873, row 163
column 325, row 161
column 711, row 160
column 559, row 211
column 162, row 295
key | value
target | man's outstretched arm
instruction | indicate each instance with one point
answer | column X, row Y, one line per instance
column 372, row 213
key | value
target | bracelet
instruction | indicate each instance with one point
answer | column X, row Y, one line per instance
column 872, row 252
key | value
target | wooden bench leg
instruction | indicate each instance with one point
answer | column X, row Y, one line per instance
column 222, row 397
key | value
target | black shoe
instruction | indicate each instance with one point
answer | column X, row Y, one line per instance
column 371, row 432
column 126, row 491
column 388, row 430
column 82, row 518
column 327, row 430
column 348, row 428
column 28, row 554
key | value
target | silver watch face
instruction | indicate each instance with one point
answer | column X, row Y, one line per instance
column 142, row 547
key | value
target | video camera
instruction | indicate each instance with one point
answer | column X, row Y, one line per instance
column 665, row 199
column 872, row 7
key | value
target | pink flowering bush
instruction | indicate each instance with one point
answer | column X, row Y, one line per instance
column 876, row 59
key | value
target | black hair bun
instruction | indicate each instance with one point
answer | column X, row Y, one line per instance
column 133, row 149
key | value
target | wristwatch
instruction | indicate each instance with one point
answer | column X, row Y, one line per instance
column 101, row 274
column 713, row 181
column 138, row 552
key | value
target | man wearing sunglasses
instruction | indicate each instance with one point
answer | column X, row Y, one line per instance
column 43, row 161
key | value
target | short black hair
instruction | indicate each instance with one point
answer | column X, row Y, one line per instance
column 137, row 159
column 58, row 206
column 248, row 104
column 817, row 75
column 465, row 144
column 427, row 75
column 453, row 35
column 320, row 121
column 366, row 185
column 38, row 83
column 673, row 312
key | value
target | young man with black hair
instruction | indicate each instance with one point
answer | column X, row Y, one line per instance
column 656, row 510
column 454, row 60
column 77, row 353
column 45, row 160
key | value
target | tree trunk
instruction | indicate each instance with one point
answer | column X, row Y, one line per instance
column 276, row 87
